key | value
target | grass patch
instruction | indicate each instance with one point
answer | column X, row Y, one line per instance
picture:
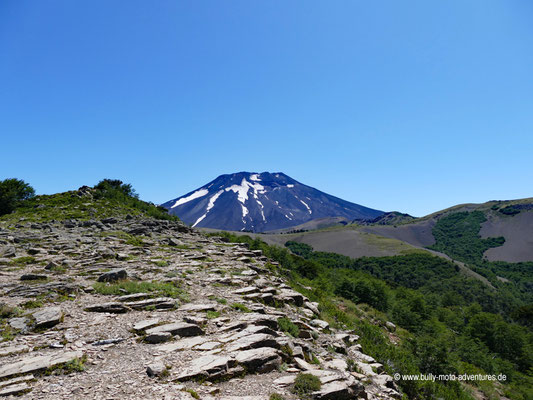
column 287, row 326
column 192, row 393
column 21, row 261
column 32, row 304
column 276, row 396
column 218, row 300
column 161, row 263
column 213, row 314
column 240, row 307
column 155, row 289
column 305, row 384
column 76, row 365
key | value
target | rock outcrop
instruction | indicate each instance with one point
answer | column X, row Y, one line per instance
column 141, row 308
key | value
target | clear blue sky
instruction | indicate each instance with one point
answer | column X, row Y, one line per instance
column 397, row 105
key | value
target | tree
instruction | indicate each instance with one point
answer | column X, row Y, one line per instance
column 12, row 193
column 115, row 188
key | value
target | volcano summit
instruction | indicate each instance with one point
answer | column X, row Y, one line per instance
column 260, row 202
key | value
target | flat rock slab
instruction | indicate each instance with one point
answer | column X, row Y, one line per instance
column 146, row 324
column 190, row 307
column 35, row 363
column 252, row 342
column 114, row 308
column 47, row 317
column 260, row 319
column 177, row 328
column 243, row 398
column 257, row 360
column 161, row 303
column 15, row 389
column 18, row 379
column 205, row 366
column 33, row 277
column 183, row 344
column 5, row 351
column 36, row 290
column 247, row 290
column 134, row 297
column 158, row 337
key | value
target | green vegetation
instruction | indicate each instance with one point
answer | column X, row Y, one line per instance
column 287, row 326
column 240, row 307
column 76, row 365
column 6, row 312
column 109, row 198
column 193, row 393
column 305, row 384
column 21, row 261
column 155, row 289
column 212, row 314
column 132, row 240
column 12, row 193
column 276, row 396
column 510, row 210
column 447, row 322
column 457, row 235
column 32, row 304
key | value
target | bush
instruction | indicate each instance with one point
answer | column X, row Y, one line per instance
column 115, row 188
column 276, row 396
column 306, row 383
column 12, row 193
column 287, row 326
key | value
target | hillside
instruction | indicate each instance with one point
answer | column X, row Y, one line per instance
column 100, row 300
column 260, row 202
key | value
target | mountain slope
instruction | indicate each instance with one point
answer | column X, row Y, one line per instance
column 260, row 202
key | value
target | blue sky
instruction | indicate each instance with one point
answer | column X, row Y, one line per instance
column 411, row 106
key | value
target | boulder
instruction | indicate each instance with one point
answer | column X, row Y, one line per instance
column 156, row 369
column 113, row 275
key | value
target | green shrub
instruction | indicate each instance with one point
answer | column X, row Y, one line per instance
column 306, row 383
column 12, row 193
column 213, row 314
column 287, row 326
column 276, row 396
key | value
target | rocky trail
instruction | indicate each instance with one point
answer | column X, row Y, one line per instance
column 138, row 308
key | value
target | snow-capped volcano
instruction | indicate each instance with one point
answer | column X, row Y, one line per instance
column 260, row 202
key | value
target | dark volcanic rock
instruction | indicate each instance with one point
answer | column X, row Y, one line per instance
column 113, row 276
